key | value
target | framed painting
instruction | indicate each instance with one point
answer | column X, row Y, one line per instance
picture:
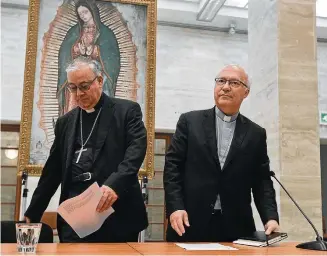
column 120, row 35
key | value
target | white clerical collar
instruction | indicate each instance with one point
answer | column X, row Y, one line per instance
column 224, row 117
column 97, row 106
column 90, row 110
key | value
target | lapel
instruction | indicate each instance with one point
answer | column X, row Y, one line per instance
column 239, row 135
column 104, row 127
column 209, row 127
column 71, row 130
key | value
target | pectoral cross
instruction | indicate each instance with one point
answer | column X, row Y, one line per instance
column 80, row 153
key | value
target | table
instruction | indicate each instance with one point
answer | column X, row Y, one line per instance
column 74, row 249
column 283, row 248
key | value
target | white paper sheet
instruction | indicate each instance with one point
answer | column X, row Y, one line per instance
column 80, row 211
column 206, row 247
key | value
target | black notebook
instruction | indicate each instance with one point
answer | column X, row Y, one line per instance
column 260, row 239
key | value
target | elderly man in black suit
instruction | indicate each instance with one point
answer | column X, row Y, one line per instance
column 102, row 140
column 216, row 158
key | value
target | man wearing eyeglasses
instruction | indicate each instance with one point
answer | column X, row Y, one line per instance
column 216, row 158
column 103, row 140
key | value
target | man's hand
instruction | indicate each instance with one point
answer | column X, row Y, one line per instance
column 177, row 221
column 108, row 198
column 27, row 219
column 271, row 226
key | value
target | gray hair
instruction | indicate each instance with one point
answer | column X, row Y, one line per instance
column 93, row 64
column 247, row 78
column 249, row 82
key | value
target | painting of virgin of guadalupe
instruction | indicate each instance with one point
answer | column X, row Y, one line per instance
column 118, row 35
column 89, row 38
column 113, row 34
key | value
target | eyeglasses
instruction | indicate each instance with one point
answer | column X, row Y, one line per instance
column 234, row 83
column 83, row 87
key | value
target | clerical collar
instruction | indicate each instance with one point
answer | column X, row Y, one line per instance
column 224, row 117
column 97, row 106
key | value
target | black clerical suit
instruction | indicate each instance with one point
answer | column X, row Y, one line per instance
column 115, row 151
column 193, row 178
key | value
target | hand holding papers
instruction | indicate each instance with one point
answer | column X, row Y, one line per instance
column 80, row 211
column 108, row 198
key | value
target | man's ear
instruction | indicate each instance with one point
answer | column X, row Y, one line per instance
column 100, row 81
column 246, row 93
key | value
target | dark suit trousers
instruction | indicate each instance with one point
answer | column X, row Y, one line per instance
column 215, row 231
column 103, row 235
column 106, row 234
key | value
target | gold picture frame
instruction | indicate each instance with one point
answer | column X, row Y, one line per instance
column 29, row 104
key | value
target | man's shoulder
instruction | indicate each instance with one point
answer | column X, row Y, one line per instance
column 253, row 125
column 63, row 120
column 194, row 114
column 123, row 104
column 67, row 116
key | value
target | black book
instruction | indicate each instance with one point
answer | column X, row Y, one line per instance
column 260, row 239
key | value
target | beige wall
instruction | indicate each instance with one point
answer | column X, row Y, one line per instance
column 283, row 65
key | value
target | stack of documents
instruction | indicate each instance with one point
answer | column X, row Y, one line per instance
column 80, row 211
column 205, row 247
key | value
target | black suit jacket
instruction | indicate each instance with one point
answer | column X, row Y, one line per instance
column 120, row 150
column 193, row 177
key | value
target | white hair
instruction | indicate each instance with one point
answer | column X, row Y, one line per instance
column 93, row 64
column 248, row 82
column 236, row 66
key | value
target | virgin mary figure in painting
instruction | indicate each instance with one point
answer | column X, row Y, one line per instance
column 89, row 38
column 93, row 29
